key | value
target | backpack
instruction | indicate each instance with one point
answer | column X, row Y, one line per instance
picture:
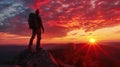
column 32, row 20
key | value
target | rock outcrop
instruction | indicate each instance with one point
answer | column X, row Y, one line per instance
column 43, row 58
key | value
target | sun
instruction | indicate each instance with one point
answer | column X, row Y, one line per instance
column 92, row 40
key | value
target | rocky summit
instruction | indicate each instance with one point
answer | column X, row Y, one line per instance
column 42, row 58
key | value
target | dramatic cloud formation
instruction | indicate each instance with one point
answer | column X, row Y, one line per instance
column 59, row 16
column 87, row 14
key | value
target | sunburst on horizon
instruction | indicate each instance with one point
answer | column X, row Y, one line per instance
column 92, row 40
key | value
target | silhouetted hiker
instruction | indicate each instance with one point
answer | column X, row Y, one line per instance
column 35, row 24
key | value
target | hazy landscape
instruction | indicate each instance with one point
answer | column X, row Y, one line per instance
column 77, row 55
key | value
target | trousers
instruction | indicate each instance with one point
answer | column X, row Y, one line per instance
column 34, row 33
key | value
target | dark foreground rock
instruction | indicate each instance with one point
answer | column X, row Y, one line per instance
column 43, row 58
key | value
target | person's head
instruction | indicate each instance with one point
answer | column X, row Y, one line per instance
column 37, row 12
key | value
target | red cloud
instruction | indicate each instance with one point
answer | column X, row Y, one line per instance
column 82, row 14
column 38, row 3
column 59, row 16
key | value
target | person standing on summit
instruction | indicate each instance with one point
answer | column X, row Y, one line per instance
column 35, row 24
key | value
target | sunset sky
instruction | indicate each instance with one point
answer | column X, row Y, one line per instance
column 65, row 21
